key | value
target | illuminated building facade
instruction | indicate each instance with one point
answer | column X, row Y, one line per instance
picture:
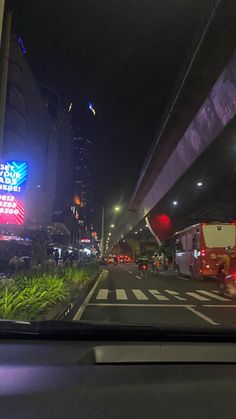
column 13, row 177
column 83, row 180
column 30, row 137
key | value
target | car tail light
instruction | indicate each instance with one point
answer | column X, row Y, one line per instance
column 203, row 252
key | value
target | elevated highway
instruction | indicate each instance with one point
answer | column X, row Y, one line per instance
column 189, row 174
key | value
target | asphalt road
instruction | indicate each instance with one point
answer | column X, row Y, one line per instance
column 121, row 295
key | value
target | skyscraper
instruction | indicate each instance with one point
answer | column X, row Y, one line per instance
column 64, row 186
column 83, row 180
column 29, row 136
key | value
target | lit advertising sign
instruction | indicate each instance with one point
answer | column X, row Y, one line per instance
column 13, row 177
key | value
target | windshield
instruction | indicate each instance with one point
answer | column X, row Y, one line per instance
column 117, row 162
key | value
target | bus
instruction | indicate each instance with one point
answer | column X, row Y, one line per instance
column 198, row 249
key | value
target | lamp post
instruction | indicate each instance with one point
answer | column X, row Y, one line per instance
column 103, row 232
column 116, row 209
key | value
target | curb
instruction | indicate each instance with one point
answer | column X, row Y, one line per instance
column 79, row 313
column 65, row 309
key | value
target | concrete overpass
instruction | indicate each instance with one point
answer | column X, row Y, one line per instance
column 195, row 140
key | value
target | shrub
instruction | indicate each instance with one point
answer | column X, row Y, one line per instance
column 26, row 298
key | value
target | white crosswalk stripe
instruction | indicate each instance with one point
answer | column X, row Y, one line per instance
column 158, row 295
column 139, row 295
column 121, row 294
column 144, row 295
column 197, row 296
column 102, row 294
column 175, row 295
column 215, row 296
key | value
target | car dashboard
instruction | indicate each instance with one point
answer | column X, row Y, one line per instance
column 107, row 379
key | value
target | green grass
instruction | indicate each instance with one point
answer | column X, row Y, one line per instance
column 28, row 296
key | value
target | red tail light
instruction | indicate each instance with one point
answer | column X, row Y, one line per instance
column 144, row 267
column 203, row 252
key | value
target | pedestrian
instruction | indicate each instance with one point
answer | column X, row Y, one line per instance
column 66, row 258
column 14, row 265
column 155, row 261
column 39, row 257
column 232, row 262
column 51, row 265
column 56, row 256
column 223, row 271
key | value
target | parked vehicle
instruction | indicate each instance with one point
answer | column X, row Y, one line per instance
column 198, row 248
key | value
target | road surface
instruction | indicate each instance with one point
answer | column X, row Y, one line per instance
column 121, row 295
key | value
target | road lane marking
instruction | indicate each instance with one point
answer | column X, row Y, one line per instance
column 130, row 272
column 158, row 295
column 175, row 295
column 220, row 305
column 197, row 296
column 139, row 295
column 79, row 313
column 139, row 305
column 183, row 277
column 211, row 294
column 202, row 316
column 139, row 277
column 121, row 294
column 102, row 294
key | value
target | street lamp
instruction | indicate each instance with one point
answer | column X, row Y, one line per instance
column 109, row 234
column 199, row 184
column 175, row 203
column 116, row 209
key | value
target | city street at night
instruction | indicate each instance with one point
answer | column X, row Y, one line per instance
column 166, row 299
column 117, row 209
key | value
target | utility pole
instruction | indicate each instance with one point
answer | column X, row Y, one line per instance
column 103, row 232
column 4, row 76
column 2, row 3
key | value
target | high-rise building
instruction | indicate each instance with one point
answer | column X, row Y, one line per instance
column 64, row 181
column 38, row 131
column 30, row 136
column 83, row 180
column 64, row 185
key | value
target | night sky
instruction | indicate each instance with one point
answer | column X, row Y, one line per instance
column 122, row 55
